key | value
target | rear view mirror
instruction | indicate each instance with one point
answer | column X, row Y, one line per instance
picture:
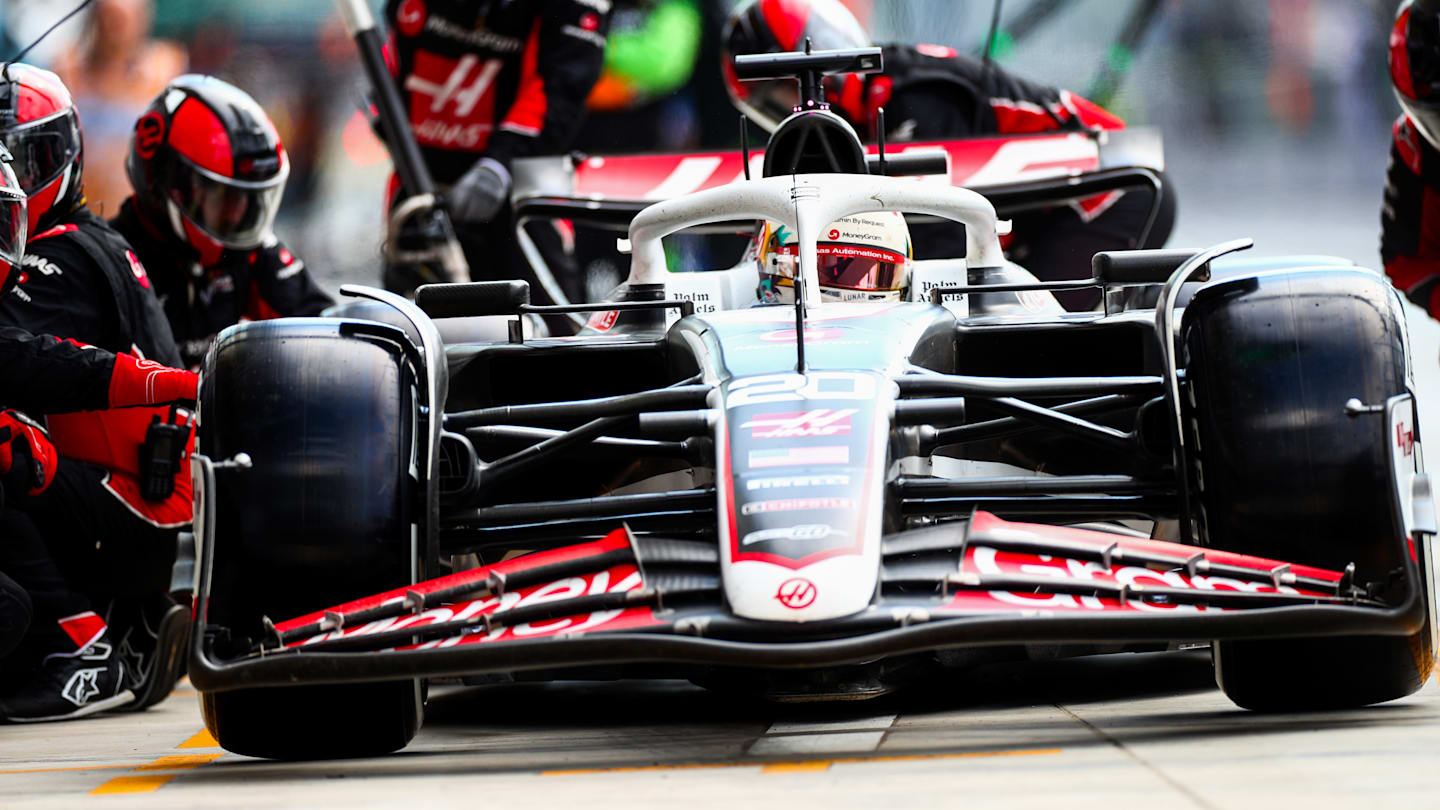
column 473, row 298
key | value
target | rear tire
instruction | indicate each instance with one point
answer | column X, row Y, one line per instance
column 1283, row 472
column 324, row 516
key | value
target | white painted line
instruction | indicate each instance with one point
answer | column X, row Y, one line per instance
column 853, row 724
column 810, row 744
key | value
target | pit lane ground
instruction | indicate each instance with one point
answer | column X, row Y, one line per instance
column 1105, row 731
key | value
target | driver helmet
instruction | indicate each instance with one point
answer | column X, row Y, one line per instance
column 13, row 225
column 1415, row 65
column 206, row 158
column 39, row 127
column 862, row 257
column 773, row 26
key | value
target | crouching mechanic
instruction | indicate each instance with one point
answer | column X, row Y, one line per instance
column 1410, row 213
column 930, row 92
column 487, row 82
column 208, row 170
column 120, row 492
column 48, row 375
column 79, row 674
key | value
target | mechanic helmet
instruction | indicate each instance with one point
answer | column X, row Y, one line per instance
column 772, row 26
column 1415, row 64
column 862, row 257
column 39, row 127
column 206, row 158
column 13, row 225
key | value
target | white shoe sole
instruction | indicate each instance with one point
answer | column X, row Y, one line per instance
column 118, row 699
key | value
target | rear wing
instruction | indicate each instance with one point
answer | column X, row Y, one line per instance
column 1015, row 173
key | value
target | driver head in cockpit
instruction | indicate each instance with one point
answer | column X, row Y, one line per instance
column 862, row 257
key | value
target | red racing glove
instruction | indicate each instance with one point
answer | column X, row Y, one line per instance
column 27, row 459
column 146, row 382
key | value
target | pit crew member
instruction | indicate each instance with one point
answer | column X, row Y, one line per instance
column 208, row 170
column 930, row 92
column 487, row 82
column 1410, row 213
column 47, row 375
column 107, row 523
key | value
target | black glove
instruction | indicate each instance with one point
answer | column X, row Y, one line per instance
column 480, row 193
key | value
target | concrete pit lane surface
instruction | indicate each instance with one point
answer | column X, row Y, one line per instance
column 1093, row 732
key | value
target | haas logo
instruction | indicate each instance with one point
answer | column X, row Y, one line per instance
column 796, row 593
column 1404, row 439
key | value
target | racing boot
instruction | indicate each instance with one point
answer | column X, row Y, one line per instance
column 150, row 639
column 70, row 685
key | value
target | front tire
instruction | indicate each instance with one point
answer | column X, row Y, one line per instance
column 1283, row 472
column 325, row 412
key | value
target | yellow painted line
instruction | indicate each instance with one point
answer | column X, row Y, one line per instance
column 150, row 782
column 178, row 762
column 806, row 765
column 202, row 739
column 134, row 784
column 790, row 767
column 72, row 768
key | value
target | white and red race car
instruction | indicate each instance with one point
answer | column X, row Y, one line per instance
column 818, row 500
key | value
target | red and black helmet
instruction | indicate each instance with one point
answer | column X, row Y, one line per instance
column 1415, row 64
column 39, row 126
column 206, row 158
column 13, row 225
column 773, row 26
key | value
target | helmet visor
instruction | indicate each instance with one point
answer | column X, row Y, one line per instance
column 235, row 213
column 13, row 224
column 42, row 149
column 850, row 267
column 12, row 229
column 855, row 267
column 1425, row 115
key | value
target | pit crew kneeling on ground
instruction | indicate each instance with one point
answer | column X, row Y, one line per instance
column 931, row 92
column 208, row 170
column 48, row 375
column 108, row 521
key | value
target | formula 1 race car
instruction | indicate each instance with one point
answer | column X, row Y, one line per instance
column 813, row 499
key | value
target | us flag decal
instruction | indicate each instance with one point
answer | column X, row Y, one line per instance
column 799, row 456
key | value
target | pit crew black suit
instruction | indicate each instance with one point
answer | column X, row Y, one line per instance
column 43, row 375
column 500, row 79
column 199, row 301
column 1410, row 217
column 82, row 281
column 46, row 375
column 930, row 92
